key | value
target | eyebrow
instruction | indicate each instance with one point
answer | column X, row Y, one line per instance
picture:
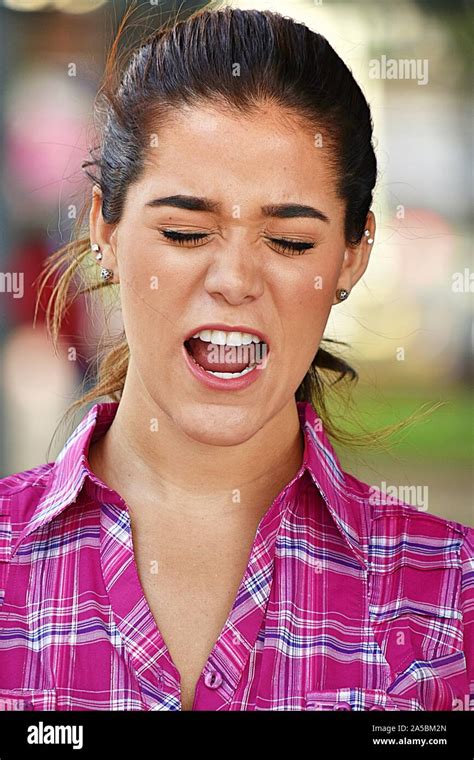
column 280, row 211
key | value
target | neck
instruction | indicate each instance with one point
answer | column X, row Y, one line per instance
column 166, row 473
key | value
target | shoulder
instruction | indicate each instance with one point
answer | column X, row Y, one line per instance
column 421, row 581
column 22, row 488
column 19, row 496
column 414, row 553
column 18, row 481
column 423, row 563
column 389, row 513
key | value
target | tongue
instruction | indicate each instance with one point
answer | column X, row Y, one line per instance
column 221, row 358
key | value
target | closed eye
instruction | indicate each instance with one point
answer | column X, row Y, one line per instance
column 184, row 237
column 289, row 247
column 292, row 247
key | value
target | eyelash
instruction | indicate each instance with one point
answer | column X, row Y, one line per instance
column 297, row 247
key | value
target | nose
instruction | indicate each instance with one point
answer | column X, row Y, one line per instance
column 236, row 273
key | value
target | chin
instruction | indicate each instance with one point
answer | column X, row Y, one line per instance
column 218, row 424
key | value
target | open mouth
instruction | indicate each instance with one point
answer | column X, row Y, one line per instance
column 226, row 354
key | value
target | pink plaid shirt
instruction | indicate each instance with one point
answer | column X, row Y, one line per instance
column 350, row 600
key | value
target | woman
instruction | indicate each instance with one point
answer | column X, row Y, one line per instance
column 196, row 545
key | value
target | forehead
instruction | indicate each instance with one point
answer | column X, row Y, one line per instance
column 203, row 148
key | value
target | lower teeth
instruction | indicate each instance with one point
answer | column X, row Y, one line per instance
column 231, row 374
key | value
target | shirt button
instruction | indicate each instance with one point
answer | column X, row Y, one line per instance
column 342, row 706
column 213, row 679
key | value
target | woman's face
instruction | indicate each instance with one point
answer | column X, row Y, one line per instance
column 258, row 265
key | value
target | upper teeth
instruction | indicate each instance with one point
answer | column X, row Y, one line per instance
column 222, row 338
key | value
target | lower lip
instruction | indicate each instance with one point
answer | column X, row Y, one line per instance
column 222, row 383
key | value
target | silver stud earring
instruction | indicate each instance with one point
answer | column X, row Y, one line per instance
column 342, row 294
column 106, row 274
column 370, row 240
column 97, row 251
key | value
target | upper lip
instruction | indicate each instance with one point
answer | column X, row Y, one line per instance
column 228, row 328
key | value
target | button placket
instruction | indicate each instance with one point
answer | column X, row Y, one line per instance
column 156, row 673
column 232, row 649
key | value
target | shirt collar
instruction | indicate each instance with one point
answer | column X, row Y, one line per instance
column 71, row 469
column 345, row 503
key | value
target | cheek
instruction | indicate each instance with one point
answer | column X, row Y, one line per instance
column 150, row 286
column 309, row 293
column 305, row 305
column 309, row 319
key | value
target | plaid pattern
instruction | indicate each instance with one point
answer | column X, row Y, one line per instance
column 350, row 600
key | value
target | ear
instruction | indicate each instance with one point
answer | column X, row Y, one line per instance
column 103, row 235
column 356, row 258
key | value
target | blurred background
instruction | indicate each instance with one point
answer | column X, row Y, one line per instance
column 409, row 321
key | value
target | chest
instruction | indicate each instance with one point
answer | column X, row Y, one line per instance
column 190, row 589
